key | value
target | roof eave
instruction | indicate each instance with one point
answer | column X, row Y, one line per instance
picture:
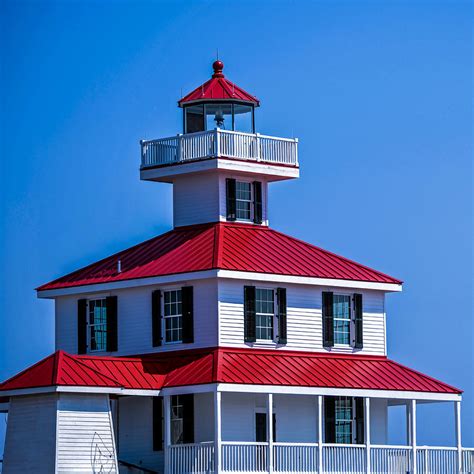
column 255, row 102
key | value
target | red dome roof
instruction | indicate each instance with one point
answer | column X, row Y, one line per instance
column 218, row 88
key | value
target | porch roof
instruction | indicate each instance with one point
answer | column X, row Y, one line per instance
column 224, row 365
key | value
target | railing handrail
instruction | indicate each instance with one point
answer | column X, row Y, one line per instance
column 244, row 443
column 343, row 445
column 192, row 445
column 215, row 131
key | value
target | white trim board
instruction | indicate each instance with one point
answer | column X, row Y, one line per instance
column 348, row 392
column 230, row 274
column 247, row 388
column 60, row 389
column 271, row 277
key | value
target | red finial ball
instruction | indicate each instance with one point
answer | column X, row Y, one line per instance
column 218, row 66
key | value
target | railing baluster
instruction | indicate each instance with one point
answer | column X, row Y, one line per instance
column 227, row 143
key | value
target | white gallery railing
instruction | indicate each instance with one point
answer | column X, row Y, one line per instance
column 219, row 143
column 191, row 458
column 250, row 457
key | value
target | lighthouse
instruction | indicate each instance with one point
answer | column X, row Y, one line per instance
column 222, row 345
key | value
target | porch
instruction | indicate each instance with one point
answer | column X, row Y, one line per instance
column 291, row 451
column 318, row 458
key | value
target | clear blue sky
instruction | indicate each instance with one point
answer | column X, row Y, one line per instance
column 379, row 94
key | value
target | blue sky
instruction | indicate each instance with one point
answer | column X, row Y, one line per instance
column 379, row 94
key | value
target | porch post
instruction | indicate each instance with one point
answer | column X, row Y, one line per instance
column 270, row 431
column 217, row 431
column 413, row 434
column 408, row 422
column 320, row 434
column 167, row 433
column 457, row 416
column 367, row 434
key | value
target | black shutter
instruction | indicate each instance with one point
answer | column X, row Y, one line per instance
column 257, row 202
column 158, row 423
column 359, row 416
column 156, row 318
column 249, row 314
column 328, row 319
column 188, row 417
column 330, row 419
column 281, row 302
column 358, row 329
column 231, row 199
column 81, row 326
column 188, row 314
column 112, row 329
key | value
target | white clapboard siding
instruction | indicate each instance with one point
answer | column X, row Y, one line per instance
column 304, row 318
column 30, row 441
column 196, row 199
column 85, row 438
column 135, row 433
column 134, row 319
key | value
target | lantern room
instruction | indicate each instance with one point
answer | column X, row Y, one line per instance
column 218, row 103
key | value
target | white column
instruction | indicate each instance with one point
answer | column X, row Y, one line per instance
column 413, row 434
column 408, row 422
column 217, row 431
column 270, row 431
column 457, row 417
column 367, row 433
column 167, row 433
column 320, row 434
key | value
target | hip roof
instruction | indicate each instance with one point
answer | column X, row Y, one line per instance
column 221, row 245
column 225, row 365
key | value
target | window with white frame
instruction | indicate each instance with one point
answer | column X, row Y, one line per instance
column 173, row 316
column 97, row 323
column 342, row 319
column 265, row 313
column 177, row 419
column 344, row 420
column 243, row 193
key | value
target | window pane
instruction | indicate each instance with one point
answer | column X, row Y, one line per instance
column 343, row 407
column 97, row 325
column 176, row 420
column 194, row 118
column 218, row 116
column 173, row 316
column 342, row 319
column 243, row 118
column 265, row 313
column 243, row 200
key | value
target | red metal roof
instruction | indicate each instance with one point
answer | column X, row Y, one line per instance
column 226, row 246
column 218, row 88
column 224, row 365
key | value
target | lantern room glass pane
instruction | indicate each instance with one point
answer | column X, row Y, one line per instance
column 243, row 118
column 194, row 118
column 219, row 116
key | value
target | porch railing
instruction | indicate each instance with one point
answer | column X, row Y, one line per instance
column 219, row 143
column 191, row 458
column 391, row 459
column 295, row 457
column 251, row 457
